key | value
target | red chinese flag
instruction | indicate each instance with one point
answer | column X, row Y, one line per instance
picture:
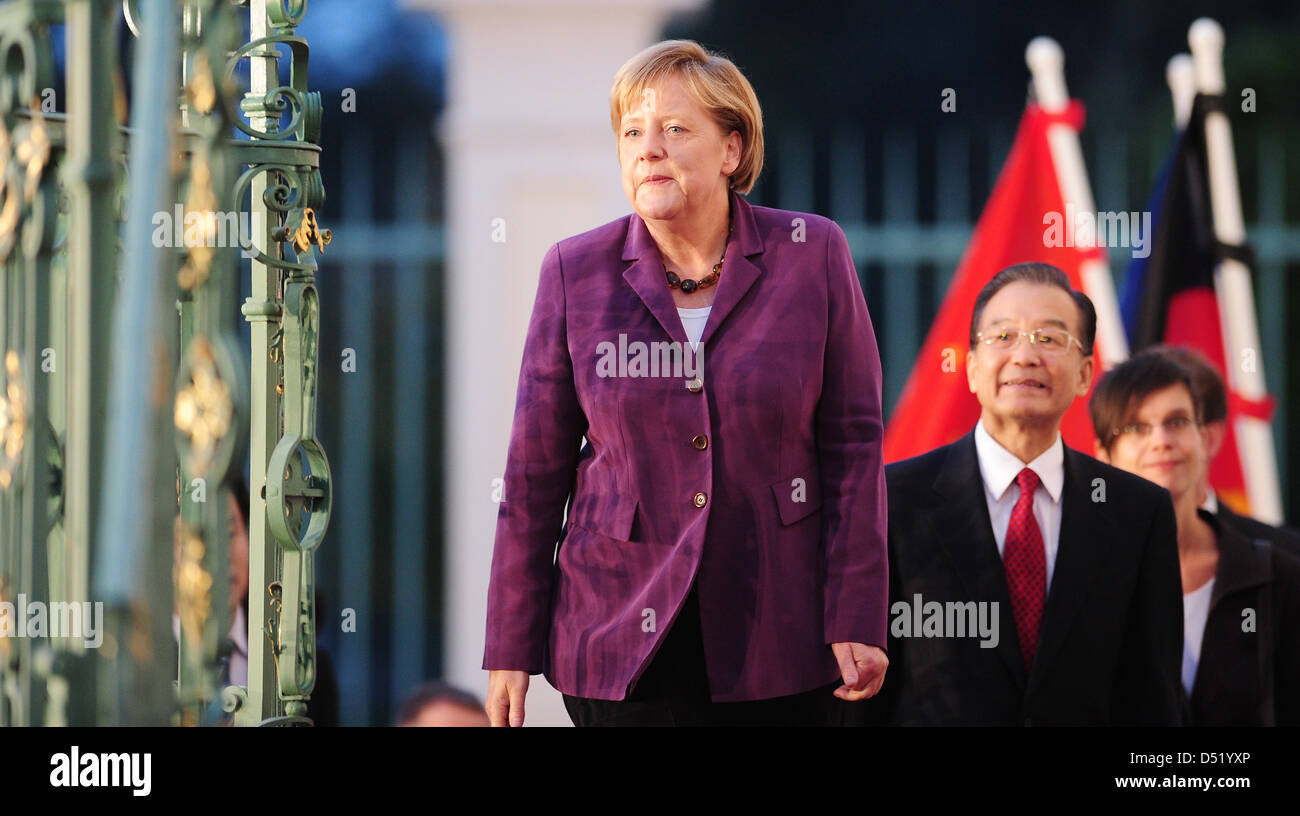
column 936, row 406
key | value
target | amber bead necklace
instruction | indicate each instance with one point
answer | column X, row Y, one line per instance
column 689, row 286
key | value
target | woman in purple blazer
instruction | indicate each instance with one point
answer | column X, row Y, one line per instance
column 723, row 559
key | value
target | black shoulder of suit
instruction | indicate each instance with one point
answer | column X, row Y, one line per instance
column 1286, row 577
column 1284, row 538
column 1119, row 483
column 919, row 468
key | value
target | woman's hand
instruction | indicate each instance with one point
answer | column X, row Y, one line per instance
column 863, row 669
column 505, row 697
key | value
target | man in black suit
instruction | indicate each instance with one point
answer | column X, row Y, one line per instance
column 1212, row 399
column 1073, row 561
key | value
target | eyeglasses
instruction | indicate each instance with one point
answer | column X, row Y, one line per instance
column 1046, row 340
column 1173, row 426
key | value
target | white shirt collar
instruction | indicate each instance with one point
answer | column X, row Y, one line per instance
column 1211, row 503
column 999, row 466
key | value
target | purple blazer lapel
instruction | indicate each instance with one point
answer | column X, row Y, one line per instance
column 646, row 275
column 738, row 272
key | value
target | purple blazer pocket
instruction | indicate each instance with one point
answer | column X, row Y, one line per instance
column 610, row 514
column 797, row 497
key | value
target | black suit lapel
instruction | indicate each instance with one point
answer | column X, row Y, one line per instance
column 966, row 534
column 1087, row 534
column 1242, row 564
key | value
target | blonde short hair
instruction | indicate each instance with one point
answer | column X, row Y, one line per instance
column 713, row 81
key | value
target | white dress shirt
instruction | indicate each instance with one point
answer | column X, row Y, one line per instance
column 999, row 468
column 1196, row 611
column 693, row 321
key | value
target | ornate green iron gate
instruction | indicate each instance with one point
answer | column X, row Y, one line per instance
column 124, row 400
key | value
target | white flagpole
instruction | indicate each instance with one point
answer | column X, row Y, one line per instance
column 1180, row 73
column 1244, row 365
column 1046, row 63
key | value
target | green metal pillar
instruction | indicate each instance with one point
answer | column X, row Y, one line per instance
column 263, row 311
column 133, row 564
column 290, row 488
column 90, row 183
column 210, row 400
column 28, row 207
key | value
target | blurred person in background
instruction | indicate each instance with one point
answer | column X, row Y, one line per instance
column 1212, row 397
column 1241, row 598
column 439, row 705
column 323, row 706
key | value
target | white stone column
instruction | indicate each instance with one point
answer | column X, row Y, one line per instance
column 528, row 141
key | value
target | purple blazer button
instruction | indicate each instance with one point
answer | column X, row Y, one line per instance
column 695, row 385
column 701, row 499
column 700, row 442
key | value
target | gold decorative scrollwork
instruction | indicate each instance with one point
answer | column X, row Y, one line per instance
column 193, row 585
column 202, row 202
column 13, row 420
column 34, row 152
column 9, row 211
column 309, row 233
column 201, row 91
column 204, row 407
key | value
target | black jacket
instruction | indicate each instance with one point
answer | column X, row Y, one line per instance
column 1252, row 631
column 1110, row 648
column 1284, row 537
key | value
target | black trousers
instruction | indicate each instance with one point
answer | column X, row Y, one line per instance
column 674, row 691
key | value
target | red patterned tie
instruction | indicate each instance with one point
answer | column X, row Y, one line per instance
column 1025, row 563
